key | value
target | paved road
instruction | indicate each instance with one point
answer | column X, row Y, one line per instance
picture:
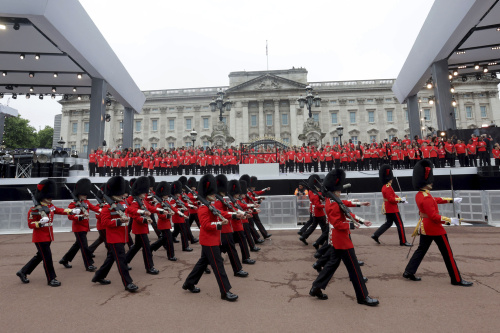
column 273, row 298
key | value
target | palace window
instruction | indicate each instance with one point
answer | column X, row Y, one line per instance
column 371, row 116
column 316, row 117
column 354, row 139
column 253, row 120
column 188, row 123
column 427, row 114
column 284, row 119
column 205, row 123
column 86, row 127
column 389, row 116
column 373, row 138
column 468, row 111
column 334, row 118
column 483, row 111
column 171, row 124
column 154, row 124
column 206, row 144
column 269, row 119
column 352, row 117
column 154, row 145
column 74, row 128
column 138, row 125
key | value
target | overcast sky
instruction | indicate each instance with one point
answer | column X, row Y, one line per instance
column 183, row 44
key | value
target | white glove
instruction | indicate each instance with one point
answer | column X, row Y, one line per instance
column 457, row 200
column 404, row 200
column 76, row 211
column 454, row 221
column 44, row 220
column 191, row 206
column 160, row 210
column 140, row 211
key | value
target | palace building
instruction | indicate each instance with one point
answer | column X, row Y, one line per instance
column 265, row 104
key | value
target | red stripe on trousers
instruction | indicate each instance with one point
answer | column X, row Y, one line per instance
column 144, row 250
column 401, row 228
column 229, row 247
column 357, row 277
column 43, row 259
column 218, row 273
column 450, row 254
column 83, row 252
column 118, row 264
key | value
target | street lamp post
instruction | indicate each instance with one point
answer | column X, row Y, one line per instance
column 309, row 100
column 340, row 132
column 193, row 136
column 219, row 104
column 61, row 142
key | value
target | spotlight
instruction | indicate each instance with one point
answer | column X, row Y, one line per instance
column 41, row 96
column 3, row 27
column 450, row 76
column 31, row 74
column 9, row 87
column 54, row 89
column 455, row 72
column 56, row 75
column 453, row 102
column 79, row 75
column 429, row 84
column 464, row 78
column 28, row 96
column 485, row 69
column 74, row 89
column 108, row 101
column 16, row 26
column 37, row 56
column 452, row 89
column 53, row 96
column 14, row 96
column 419, row 100
column 31, row 89
column 79, row 97
column 478, row 77
column 4, row 73
column 107, row 118
column 476, row 66
column 22, row 56
column 431, row 100
column 442, row 134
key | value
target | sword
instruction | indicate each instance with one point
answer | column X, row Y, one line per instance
column 453, row 195
column 414, row 234
column 400, row 190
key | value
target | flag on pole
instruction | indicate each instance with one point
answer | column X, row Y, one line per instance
column 266, row 47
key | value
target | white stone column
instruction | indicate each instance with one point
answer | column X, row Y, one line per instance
column 261, row 118
column 277, row 124
column 293, row 123
column 243, row 133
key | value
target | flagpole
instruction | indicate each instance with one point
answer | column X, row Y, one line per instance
column 267, row 56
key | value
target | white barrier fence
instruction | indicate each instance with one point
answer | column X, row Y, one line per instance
column 285, row 212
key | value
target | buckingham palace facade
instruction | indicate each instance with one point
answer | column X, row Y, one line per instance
column 264, row 104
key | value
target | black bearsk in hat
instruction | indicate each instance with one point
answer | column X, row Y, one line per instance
column 385, row 173
column 207, row 186
column 99, row 194
column 233, row 187
column 253, row 181
column 334, row 180
column 140, row 186
column 312, row 181
column 243, row 186
column 191, row 182
column 246, row 178
column 151, row 181
column 132, row 181
column 128, row 188
column 176, row 188
column 221, row 183
column 46, row 189
column 183, row 180
column 115, row 186
column 422, row 174
column 162, row 189
column 82, row 187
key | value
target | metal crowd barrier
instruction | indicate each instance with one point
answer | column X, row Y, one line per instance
column 289, row 211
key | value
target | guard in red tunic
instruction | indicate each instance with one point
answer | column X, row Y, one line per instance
column 193, row 212
column 317, row 208
column 40, row 219
column 210, row 240
column 250, row 200
column 180, row 226
column 343, row 249
column 80, row 226
column 390, row 207
column 100, row 228
column 430, row 225
column 115, row 221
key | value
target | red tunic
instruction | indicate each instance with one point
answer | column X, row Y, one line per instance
column 114, row 234
column 432, row 222
column 83, row 225
column 209, row 235
column 390, row 199
column 339, row 234
column 43, row 234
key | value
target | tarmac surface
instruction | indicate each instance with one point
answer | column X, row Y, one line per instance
column 273, row 298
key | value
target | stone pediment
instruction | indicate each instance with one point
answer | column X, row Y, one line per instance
column 266, row 83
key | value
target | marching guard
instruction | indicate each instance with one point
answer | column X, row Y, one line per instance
column 390, row 207
column 40, row 219
column 257, row 195
column 430, row 225
column 210, row 240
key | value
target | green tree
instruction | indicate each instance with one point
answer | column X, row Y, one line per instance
column 19, row 133
column 45, row 137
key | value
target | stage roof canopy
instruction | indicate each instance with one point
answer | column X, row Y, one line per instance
column 465, row 32
column 46, row 44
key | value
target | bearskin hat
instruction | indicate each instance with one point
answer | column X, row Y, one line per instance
column 183, row 180
column 243, row 186
column 253, row 181
column 422, row 174
column 192, row 182
column 82, row 187
column 334, row 180
column 128, row 188
column 246, row 178
column 115, row 186
column 46, row 189
column 233, row 187
column 385, row 173
column 132, row 181
column 151, row 181
column 313, row 181
column 176, row 188
column 140, row 186
column 99, row 194
column 207, row 186
column 163, row 189
column 221, row 181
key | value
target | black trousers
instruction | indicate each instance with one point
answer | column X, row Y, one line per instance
column 43, row 254
column 260, row 226
column 324, row 230
column 323, row 165
column 326, row 253
column 181, row 228
column 253, row 231
column 193, row 217
column 80, row 244
column 444, row 248
column 129, row 229
column 92, row 169
column 472, row 160
column 248, row 234
column 155, row 226
column 210, row 255
column 390, row 219
column 101, row 239
column 116, row 253
column 350, row 261
column 228, row 247
column 321, row 220
column 141, row 241
column 307, row 224
column 240, row 238
column 166, row 240
column 329, row 165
